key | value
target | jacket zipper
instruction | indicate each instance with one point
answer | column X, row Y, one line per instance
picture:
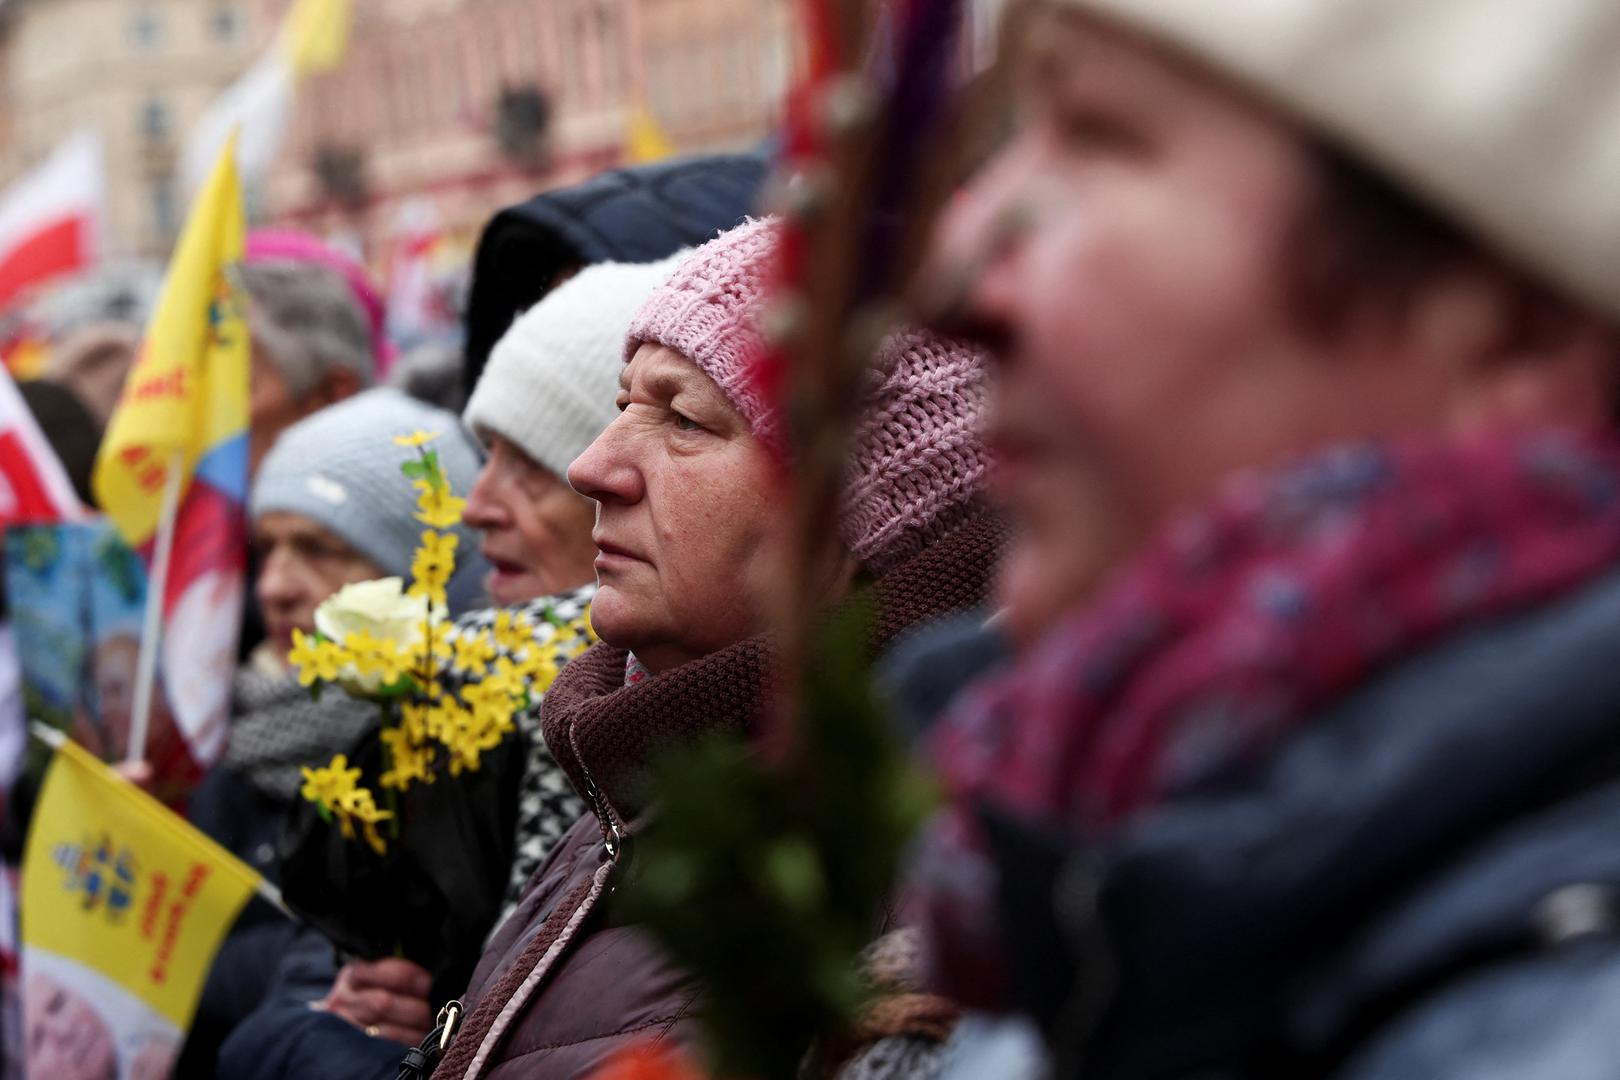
column 612, row 837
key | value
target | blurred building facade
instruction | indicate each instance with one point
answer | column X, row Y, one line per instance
column 443, row 110
column 446, row 110
column 139, row 72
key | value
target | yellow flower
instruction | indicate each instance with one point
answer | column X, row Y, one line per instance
column 439, row 548
column 410, row 759
column 431, row 589
column 467, row 741
column 417, row 721
column 441, row 635
column 389, row 661
column 513, row 631
column 330, row 784
column 416, row 439
column 539, row 669
column 375, row 663
column 359, row 805
column 437, row 506
column 435, row 561
column 473, row 653
column 305, row 655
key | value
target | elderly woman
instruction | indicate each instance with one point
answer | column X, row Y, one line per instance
column 690, row 530
column 1329, row 384
column 546, row 394
column 329, row 508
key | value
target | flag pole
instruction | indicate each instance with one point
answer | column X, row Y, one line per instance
column 152, row 628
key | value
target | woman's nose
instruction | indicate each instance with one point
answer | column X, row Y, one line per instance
column 607, row 470
column 487, row 507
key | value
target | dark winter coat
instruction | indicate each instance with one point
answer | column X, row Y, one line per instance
column 639, row 214
column 1422, row 884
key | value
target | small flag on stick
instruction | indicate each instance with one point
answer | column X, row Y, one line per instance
column 172, row 471
column 124, row 905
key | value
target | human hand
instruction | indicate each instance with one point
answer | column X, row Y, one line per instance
column 385, row 998
column 138, row 773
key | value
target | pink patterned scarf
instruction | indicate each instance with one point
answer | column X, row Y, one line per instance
column 1239, row 625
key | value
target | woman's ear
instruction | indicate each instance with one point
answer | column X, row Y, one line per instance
column 846, row 569
column 338, row 384
column 1528, row 360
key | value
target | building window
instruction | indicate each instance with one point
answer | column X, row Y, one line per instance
column 145, row 29
column 156, row 123
column 225, row 23
column 613, row 47
column 165, row 207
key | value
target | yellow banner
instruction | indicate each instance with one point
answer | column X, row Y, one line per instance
column 315, row 35
column 644, row 139
column 188, row 390
column 118, row 886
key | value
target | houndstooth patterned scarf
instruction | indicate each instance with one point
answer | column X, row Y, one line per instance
column 547, row 805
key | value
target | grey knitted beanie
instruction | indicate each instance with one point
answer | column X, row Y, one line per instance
column 552, row 380
column 340, row 468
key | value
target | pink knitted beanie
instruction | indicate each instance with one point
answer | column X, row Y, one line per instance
column 917, row 464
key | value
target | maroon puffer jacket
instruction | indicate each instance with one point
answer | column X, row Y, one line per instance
column 560, row 988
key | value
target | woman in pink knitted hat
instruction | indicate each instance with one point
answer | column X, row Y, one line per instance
column 690, row 529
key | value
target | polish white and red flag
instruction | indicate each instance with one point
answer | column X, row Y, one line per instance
column 52, row 219
column 34, row 490
column 34, row 487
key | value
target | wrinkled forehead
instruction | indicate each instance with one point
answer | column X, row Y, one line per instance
column 664, row 372
column 289, row 526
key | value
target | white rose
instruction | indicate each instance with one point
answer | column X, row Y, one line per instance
column 380, row 608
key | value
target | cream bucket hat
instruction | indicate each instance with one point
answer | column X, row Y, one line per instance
column 1505, row 114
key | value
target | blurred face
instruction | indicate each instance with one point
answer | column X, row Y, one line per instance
column 114, row 676
column 301, row 563
column 273, row 407
column 1123, row 254
column 1063, row 544
column 66, row 1036
column 536, row 529
column 689, row 521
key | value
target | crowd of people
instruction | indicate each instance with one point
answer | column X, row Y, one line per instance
column 1240, row 504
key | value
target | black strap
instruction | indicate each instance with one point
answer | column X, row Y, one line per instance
column 420, row 1061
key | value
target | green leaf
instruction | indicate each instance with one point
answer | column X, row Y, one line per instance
column 435, row 471
column 795, row 873
column 669, row 879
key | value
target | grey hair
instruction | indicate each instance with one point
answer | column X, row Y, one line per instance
column 307, row 321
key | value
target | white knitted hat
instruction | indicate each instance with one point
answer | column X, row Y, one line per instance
column 1504, row 113
column 552, row 380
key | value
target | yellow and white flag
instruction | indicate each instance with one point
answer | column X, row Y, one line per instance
column 313, row 37
column 185, row 407
column 124, row 905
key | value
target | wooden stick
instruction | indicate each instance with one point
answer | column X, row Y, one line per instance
column 152, row 628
